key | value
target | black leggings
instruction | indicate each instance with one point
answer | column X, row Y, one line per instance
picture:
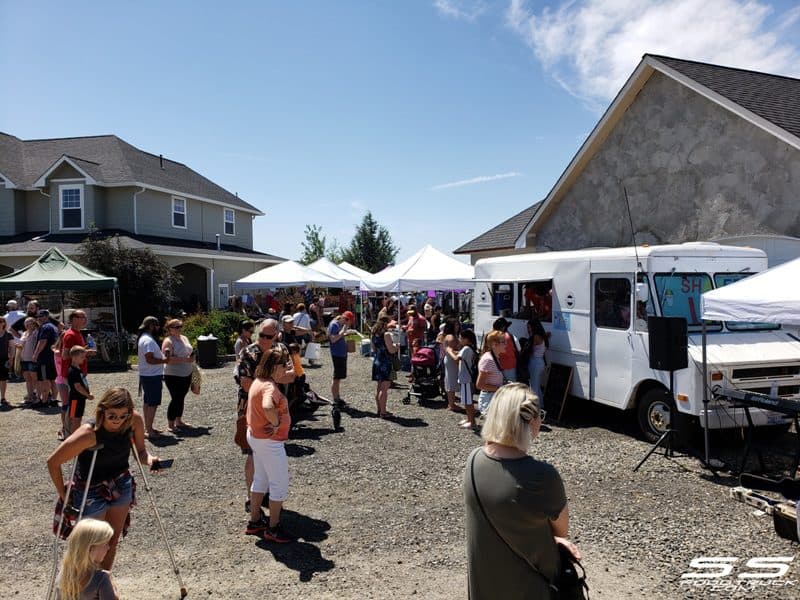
column 178, row 388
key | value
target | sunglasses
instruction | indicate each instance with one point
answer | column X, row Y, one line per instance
column 114, row 418
column 542, row 414
column 266, row 336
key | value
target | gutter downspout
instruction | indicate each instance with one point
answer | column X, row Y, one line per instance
column 49, row 211
column 135, row 217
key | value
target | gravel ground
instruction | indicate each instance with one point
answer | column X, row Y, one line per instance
column 378, row 505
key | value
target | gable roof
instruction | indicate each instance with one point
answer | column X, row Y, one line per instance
column 501, row 236
column 770, row 102
column 111, row 162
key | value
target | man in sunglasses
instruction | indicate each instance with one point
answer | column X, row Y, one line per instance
column 246, row 373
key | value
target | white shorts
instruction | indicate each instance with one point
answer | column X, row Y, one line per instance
column 270, row 468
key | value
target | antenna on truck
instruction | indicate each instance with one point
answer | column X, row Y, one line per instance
column 633, row 231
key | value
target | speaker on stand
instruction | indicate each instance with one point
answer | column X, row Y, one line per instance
column 668, row 348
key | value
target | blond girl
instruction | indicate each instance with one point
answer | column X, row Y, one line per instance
column 81, row 576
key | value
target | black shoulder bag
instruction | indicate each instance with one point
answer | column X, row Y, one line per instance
column 569, row 584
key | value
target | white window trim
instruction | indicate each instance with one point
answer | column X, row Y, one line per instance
column 61, row 189
column 225, row 221
column 185, row 213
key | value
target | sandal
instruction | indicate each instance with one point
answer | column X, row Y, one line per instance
column 385, row 415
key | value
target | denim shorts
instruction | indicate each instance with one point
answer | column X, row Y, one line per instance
column 28, row 366
column 151, row 389
column 96, row 504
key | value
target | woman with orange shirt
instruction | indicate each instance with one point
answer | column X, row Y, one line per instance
column 268, row 423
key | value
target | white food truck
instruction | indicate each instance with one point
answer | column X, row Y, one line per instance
column 595, row 304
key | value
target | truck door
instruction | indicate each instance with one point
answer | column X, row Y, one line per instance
column 611, row 343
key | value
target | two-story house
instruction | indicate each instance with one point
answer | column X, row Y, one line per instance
column 53, row 191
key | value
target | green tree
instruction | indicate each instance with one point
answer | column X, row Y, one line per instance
column 147, row 284
column 314, row 245
column 334, row 252
column 371, row 248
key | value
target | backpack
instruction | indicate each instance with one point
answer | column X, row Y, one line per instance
column 473, row 371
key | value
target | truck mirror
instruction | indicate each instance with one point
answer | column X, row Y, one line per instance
column 642, row 292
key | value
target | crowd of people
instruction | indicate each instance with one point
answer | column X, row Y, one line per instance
column 270, row 376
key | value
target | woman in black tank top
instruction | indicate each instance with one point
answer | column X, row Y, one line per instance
column 118, row 427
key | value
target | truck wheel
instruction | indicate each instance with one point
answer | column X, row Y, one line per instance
column 654, row 413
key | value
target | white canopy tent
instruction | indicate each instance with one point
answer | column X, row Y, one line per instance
column 768, row 297
column 772, row 296
column 354, row 270
column 286, row 274
column 331, row 269
column 428, row 269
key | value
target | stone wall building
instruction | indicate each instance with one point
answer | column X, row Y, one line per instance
column 704, row 152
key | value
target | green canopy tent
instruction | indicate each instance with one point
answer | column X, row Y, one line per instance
column 55, row 271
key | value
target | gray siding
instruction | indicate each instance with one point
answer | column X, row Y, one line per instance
column 20, row 220
column 100, row 210
column 203, row 220
column 119, row 208
column 7, row 211
column 693, row 171
column 37, row 211
column 154, row 216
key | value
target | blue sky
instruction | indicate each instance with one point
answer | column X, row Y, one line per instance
column 442, row 117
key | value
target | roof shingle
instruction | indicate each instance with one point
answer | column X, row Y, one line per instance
column 501, row 236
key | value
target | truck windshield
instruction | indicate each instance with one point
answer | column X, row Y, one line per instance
column 679, row 296
column 723, row 279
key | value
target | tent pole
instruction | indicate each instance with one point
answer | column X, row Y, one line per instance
column 705, row 391
column 120, row 347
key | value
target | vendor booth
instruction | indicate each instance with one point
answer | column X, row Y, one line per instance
column 78, row 287
column 286, row 274
column 771, row 296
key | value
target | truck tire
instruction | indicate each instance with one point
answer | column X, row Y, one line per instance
column 654, row 413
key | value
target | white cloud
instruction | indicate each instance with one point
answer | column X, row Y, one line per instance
column 474, row 180
column 590, row 47
column 465, row 10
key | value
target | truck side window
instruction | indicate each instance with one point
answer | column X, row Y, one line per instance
column 612, row 303
column 502, row 299
column 535, row 299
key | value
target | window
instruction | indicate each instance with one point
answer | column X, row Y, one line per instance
column 535, row 299
column 71, row 213
column 230, row 222
column 679, row 296
column 179, row 213
column 502, row 299
column 612, row 303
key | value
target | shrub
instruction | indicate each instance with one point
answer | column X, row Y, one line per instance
column 222, row 324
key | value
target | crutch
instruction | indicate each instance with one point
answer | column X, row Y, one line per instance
column 67, row 509
column 175, row 568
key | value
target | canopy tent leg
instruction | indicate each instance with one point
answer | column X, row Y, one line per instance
column 120, row 346
column 705, row 393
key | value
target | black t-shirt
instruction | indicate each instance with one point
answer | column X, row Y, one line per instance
column 76, row 376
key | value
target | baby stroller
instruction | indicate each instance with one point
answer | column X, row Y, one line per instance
column 304, row 402
column 426, row 377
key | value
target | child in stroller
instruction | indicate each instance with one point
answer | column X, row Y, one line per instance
column 425, row 382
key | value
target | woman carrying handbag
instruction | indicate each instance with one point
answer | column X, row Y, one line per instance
column 517, row 513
